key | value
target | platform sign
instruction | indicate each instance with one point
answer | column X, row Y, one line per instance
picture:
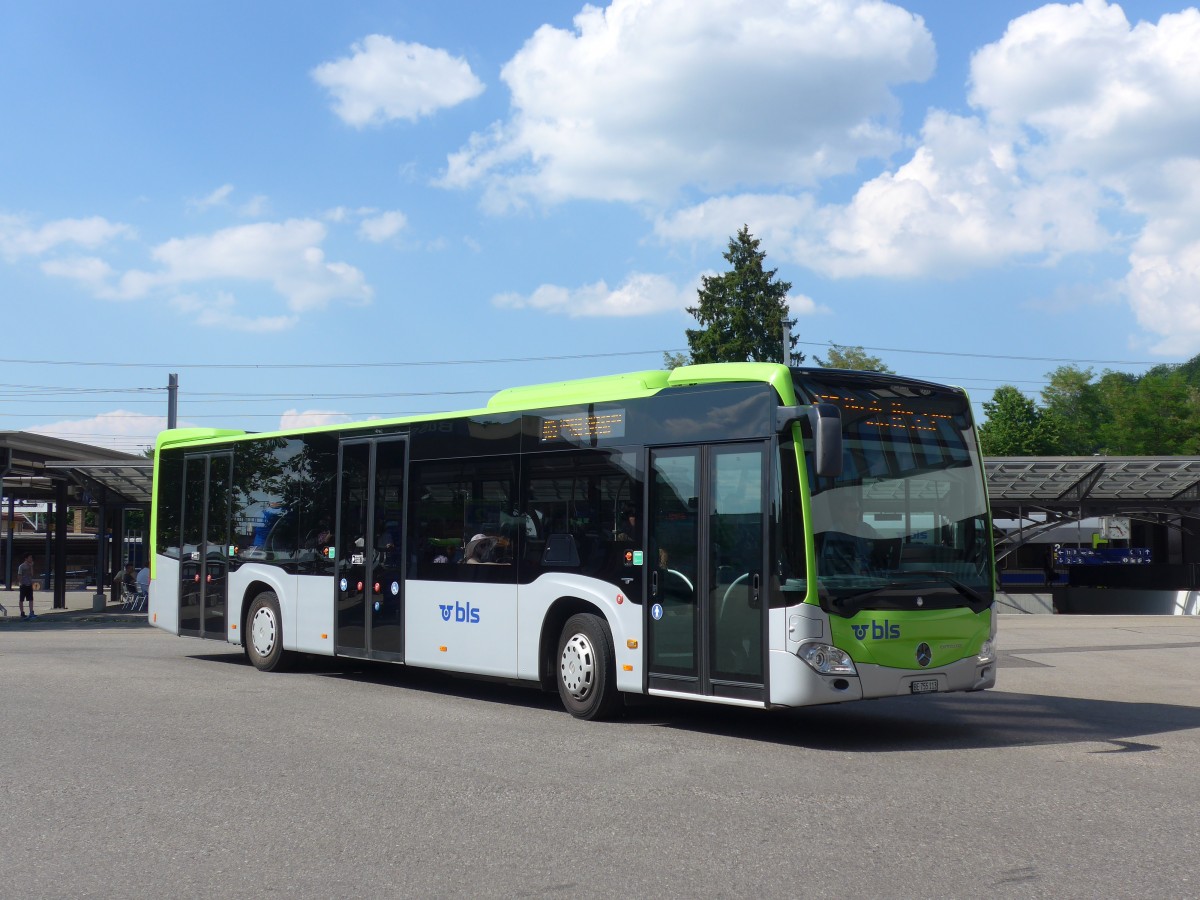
column 1104, row 556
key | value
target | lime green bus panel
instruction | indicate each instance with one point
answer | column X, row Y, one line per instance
column 890, row 638
column 774, row 374
column 579, row 390
column 192, row 436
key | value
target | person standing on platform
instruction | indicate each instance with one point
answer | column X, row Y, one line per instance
column 25, row 577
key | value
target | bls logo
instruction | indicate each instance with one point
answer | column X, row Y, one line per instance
column 879, row 632
column 461, row 614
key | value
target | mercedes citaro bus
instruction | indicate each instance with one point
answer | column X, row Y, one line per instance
column 745, row 534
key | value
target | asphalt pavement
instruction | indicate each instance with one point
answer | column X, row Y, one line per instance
column 139, row 764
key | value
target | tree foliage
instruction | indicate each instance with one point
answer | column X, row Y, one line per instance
column 1118, row 413
column 1015, row 426
column 842, row 357
column 743, row 312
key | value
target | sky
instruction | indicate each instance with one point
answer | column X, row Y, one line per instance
column 318, row 213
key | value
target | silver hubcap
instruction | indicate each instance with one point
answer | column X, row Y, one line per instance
column 262, row 631
column 578, row 666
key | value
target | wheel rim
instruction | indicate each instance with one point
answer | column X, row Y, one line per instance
column 262, row 631
column 578, row 666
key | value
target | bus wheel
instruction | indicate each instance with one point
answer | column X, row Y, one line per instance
column 264, row 633
column 586, row 670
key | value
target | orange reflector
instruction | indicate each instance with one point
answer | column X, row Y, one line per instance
column 233, row 627
column 627, row 668
column 324, row 637
column 156, row 617
column 632, row 643
column 443, row 649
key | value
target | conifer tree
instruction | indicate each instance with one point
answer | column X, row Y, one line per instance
column 743, row 312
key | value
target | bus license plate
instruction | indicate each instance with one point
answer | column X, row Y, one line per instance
column 923, row 687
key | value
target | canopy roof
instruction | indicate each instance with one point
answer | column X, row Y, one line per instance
column 1095, row 485
column 32, row 464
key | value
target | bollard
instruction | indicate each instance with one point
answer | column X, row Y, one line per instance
column 98, row 601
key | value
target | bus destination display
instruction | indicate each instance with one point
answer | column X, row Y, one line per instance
column 584, row 426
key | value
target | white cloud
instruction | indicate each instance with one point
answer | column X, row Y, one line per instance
column 219, row 312
column 641, row 100
column 639, row 295
column 285, row 255
column 379, row 228
column 385, row 80
column 254, row 208
column 1080, row 114
column 801, row 305
column 219, row 197
column 116, row 430
column 19, row 238
column 310, row 418
column 90, row 271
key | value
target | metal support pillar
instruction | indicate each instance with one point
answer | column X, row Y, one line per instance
column 60, row 544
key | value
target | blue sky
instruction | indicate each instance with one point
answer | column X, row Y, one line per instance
column 325, row 212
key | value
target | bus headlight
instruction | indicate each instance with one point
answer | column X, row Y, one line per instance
column 827, row 660
column 987, row 651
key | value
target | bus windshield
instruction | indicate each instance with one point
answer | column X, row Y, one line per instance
column 905, row 525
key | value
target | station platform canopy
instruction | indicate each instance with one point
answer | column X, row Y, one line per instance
column 35, row 467
column 1094, row 485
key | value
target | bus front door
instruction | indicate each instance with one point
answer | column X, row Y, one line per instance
column 205, row 545
column 706, row 617
column 369, row 580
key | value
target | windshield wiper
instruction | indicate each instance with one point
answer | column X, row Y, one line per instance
column 906, row 579
column 965, row 589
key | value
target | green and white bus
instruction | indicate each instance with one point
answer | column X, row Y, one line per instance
column 744, row 534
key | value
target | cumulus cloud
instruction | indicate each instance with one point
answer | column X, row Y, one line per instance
column 639, row 295
column 197, row 274
column 20, row 238
column 286, row 255
column 384, row 79
column 641, row 100
column 1080, row 117
column 380, row 227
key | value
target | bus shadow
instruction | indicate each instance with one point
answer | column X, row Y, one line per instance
column 985, row 720
column 989, row 720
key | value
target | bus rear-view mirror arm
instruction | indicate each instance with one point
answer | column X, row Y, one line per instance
column 826, row 422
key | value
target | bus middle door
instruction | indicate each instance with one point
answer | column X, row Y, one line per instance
column 370, row 568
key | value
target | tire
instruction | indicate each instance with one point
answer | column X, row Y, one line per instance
column 264, row 634
column 586, row 668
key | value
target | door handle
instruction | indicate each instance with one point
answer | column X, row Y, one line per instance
column 654, row 583
column 756, row 591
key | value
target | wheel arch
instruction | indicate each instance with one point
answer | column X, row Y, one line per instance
column 552, row 625
column 253, row 589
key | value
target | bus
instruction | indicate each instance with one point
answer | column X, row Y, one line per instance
column 737, row 533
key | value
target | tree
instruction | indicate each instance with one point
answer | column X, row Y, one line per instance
column 841, row 357
column 1077, row 408
column 743, row 312
column 675, row 360
column 1015, row 426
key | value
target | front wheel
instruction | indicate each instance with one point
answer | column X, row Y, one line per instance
column 587, row 679
column 264, row 634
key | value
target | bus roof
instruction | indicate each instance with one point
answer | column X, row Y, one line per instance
column 624, row 386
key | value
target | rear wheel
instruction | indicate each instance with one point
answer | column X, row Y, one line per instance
column 264, row 634
column 586, row 668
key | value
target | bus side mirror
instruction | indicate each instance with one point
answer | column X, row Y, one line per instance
column 826, row 422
